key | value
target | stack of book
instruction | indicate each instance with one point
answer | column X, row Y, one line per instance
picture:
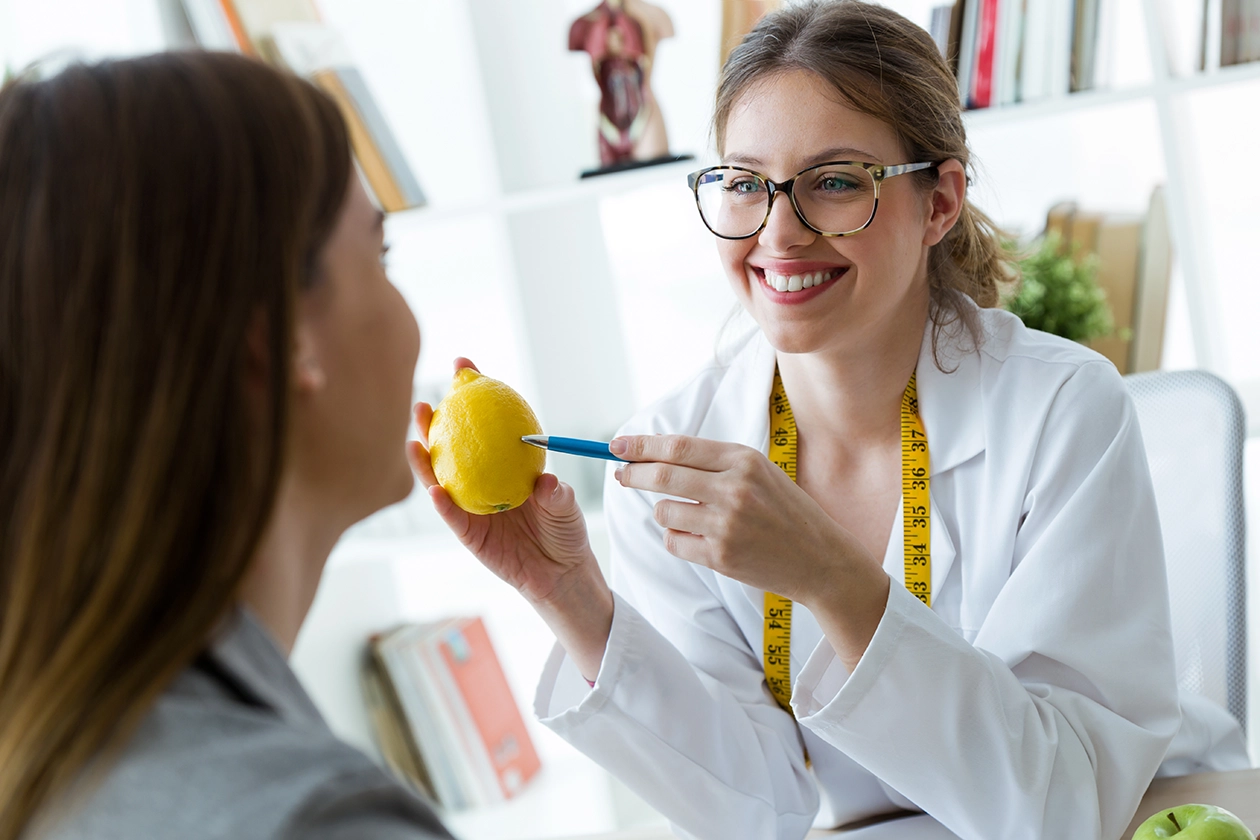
column 1223, row 33
column 1007, row 51
column 290, row 34
column 444, row 717
column 1134, row 268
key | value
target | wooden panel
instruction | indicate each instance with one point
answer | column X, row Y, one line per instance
column 1237, row 791
column 738, row 19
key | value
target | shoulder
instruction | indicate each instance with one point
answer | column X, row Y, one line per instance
column 207, row 767
column 1054, row 397
column 1027, row 365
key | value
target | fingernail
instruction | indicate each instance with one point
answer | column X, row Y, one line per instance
column 618, row 447
column 617, row 473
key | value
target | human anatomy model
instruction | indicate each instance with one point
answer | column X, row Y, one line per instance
column 621, row 38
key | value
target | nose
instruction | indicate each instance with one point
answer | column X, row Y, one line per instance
column 784, row 230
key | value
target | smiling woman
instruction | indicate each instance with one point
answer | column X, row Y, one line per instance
column 900, row 553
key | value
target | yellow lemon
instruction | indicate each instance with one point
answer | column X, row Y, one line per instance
column 476, row 448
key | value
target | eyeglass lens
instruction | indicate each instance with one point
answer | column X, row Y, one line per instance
column 833, row 199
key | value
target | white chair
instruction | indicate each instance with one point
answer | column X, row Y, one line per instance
column 1194, row 430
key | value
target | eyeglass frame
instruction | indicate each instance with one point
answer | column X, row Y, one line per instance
column 878, row 172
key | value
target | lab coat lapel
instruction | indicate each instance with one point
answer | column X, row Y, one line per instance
column 943, row 552
column 951, row 401
column 739, row 411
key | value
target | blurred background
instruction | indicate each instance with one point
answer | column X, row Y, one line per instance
column 1129, row 127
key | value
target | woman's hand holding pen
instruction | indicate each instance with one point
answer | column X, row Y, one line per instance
column 540, row 548
column 748, row 521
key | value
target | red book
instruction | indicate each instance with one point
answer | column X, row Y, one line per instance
column 469, row 658
column 986, row 45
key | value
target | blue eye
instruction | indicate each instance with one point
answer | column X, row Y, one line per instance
column 836, row 183
column 744, row 186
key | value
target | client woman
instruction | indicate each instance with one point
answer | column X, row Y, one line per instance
column 205, row 377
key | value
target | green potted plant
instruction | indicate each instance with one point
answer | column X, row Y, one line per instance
column 1059, row 292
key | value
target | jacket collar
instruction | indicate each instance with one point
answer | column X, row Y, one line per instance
column 243, row 656
column 951, row 401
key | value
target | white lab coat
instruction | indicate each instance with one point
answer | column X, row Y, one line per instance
column 1035, row 699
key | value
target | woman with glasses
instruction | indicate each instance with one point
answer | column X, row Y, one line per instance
column 899, row 553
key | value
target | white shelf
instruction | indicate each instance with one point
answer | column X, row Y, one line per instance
column 1090, row 99
column 545, row 198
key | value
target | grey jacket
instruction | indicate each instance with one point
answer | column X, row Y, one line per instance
column 235, row 749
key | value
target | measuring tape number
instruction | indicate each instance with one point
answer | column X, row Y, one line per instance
column 916, row 531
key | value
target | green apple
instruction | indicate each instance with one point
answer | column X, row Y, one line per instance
column 1193, row 822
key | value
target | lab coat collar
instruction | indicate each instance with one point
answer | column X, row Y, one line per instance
column 951, row 401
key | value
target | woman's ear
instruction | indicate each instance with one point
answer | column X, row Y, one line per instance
column 945, row 202
column 308, row 371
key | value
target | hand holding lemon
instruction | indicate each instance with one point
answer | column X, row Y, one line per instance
column 475, row 444
column 521, row 523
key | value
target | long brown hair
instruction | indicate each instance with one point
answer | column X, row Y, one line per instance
column 883, row 65
column 151, row 211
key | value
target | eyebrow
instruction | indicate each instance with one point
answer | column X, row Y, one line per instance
column 380, row 220
column 837, row 153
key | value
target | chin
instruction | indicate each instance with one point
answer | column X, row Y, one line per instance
column 405, row 483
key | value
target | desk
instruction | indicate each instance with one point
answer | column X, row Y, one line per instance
column 1237, row 791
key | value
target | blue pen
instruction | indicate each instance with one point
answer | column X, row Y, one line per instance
column 572, row 446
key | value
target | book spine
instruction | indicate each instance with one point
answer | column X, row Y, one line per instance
column 470, row 660
column 418, row 699
column 1034, row 62
column 371, row 162
column 1232, row 26
column 233, row 17
column 967, row 52
column 478, row 770
column 389, row 720
column 374, row 121
column 982, row 87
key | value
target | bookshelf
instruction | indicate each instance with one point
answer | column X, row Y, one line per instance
column 593, row 298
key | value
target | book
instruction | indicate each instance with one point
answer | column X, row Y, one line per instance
column 1154, row 273
column 1059, row 223
column 379, row 157
column 939, row 28
column 967, row 48
column 470, row 662
column 1250, row 49
column 1059, row 47
column 956, row 16
column 444, row 715
column 986, row 46
column 1118, row 246
column 1084, row 44
column 253, row 21
column 1034, row 82
column 1009, row 51
column 210, row 25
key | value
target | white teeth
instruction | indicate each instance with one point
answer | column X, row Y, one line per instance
column 798, row 282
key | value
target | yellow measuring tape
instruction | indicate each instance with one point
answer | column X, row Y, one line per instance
column 916, row 532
